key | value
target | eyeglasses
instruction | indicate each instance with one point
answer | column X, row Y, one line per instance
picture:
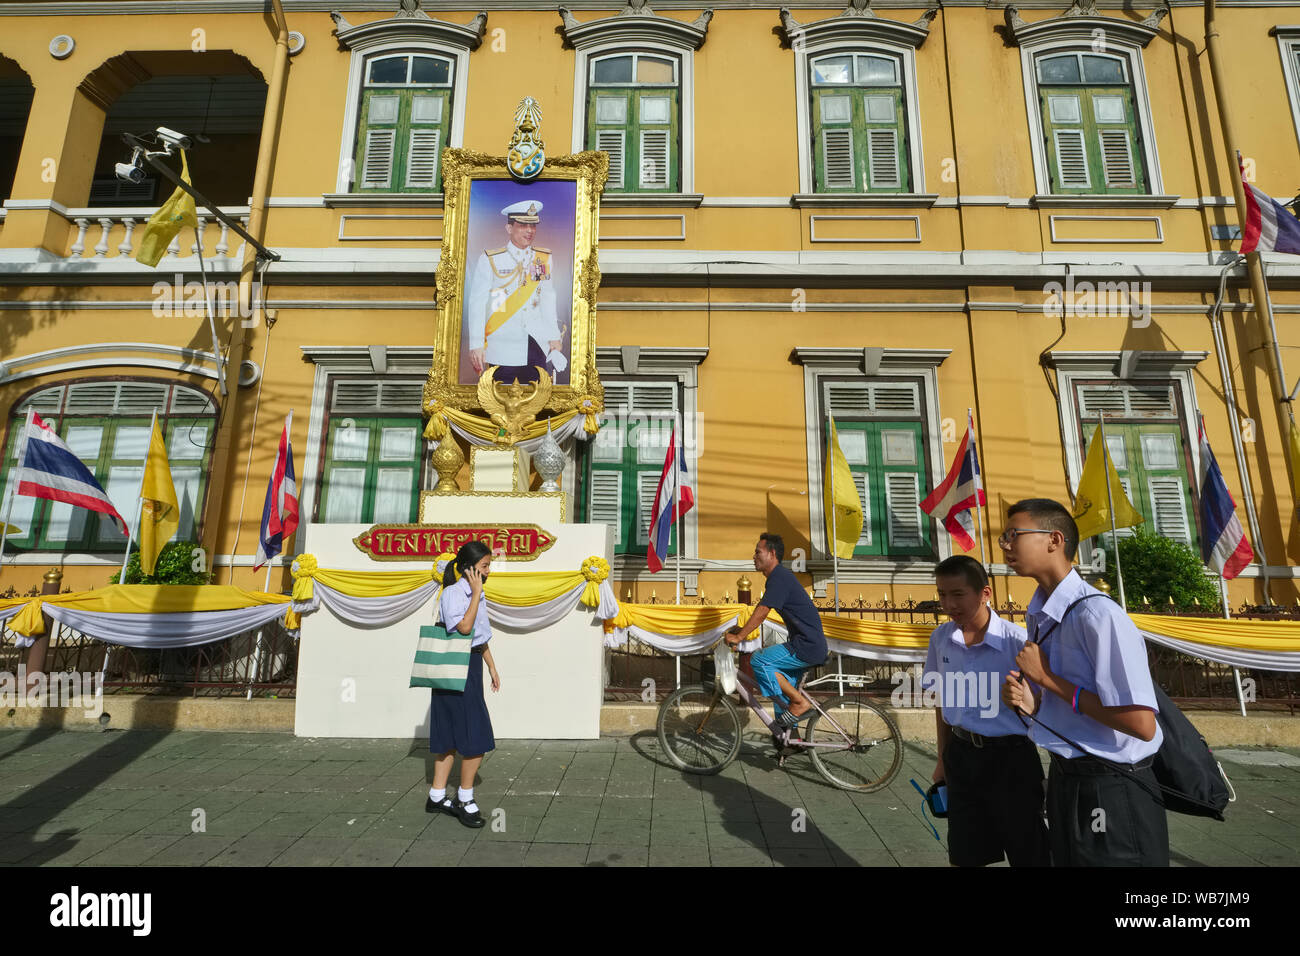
column 1008, row 537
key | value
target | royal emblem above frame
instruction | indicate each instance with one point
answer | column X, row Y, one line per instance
column 517, row 281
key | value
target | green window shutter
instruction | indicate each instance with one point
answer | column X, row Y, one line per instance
column 657, row 134
column 604, row 501
column 400, row 139
column 640, row 129
column 888, row 468
column 835, row 159
column 610, row 129
column 882, row 114
column 377, row 139
column 1117, row 139
column 372, row 467
column 1090, row 133
column 1151, row 462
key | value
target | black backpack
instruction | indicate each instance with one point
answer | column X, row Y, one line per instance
column 1191, row 779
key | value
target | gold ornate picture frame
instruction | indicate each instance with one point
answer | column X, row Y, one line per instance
column 476, row 189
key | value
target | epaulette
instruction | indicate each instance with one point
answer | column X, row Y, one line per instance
column 494, row 252
column 542, row 249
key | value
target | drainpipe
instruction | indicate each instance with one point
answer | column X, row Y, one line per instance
column 1254, row 263
column 250, row 305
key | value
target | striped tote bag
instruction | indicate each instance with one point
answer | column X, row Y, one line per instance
column 441, row 659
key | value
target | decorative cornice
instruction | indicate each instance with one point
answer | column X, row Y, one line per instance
column 860, row 359
column 410, row 24
column 635, row 23
column 1150, row 364
column 858, row 23
column 630, row 360
column 1079, row 23
column 400, row 359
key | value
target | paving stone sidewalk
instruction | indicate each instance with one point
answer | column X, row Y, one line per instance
column 127, row 798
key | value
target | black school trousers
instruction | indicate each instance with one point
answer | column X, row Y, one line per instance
column 995, row 804
column 1098, row 815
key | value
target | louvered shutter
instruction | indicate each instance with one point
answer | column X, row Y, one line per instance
column 654, row 159
column 1151, row 401
column 860, row 481
column 882, row 149
column 837, row 158
column 355, row 397
column 1117, row 158
column 377, row 167
column 604, row 501
column 903, row 398
column 188, row 401
column 1071, row 159
column 401, row 396
column 647, row 483
column 422, row 159
column 653, row 404
column 1168, row 507
column 848, row 400
column 903, row 504
column 612, row 141
column 47, row 401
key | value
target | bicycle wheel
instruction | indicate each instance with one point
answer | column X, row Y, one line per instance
column 699, row 729
column 872, row 756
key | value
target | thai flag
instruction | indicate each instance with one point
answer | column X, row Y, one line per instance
column 51, row 470
column 961, row 491
column 1223, row 542
column 673, row 498
column 280, row 513
column 1270, row 227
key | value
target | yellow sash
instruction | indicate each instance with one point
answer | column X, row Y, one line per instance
column 514, row 301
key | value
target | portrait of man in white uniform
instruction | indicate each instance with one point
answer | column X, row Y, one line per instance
column 517, row 304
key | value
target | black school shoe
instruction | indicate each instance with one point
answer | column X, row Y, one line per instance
column 446, row 805
column 472, row 819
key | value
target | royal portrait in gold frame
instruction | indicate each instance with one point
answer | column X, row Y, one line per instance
column 555, row 255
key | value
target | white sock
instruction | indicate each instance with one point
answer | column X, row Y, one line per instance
column 437, row 795
column 467, row 798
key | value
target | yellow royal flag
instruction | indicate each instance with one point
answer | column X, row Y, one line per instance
column 178, row 211
column 1091, row 511
column 1294, row 448
column 844, row 504
column 160, row 514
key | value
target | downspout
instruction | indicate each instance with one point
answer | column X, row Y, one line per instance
column 1255, row 271
column 250, row 305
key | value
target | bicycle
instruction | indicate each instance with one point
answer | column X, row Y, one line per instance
column 854, row 743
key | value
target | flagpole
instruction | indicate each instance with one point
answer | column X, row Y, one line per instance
column 1110, row 506
column 139, row 501
column 677, row 499
column 979, row 509
column 835, row 535
column 13, row 492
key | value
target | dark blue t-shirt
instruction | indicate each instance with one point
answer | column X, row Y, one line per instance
column 784, row 595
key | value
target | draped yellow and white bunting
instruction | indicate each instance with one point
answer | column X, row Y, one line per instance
column 1261, row 645
column 148, row 615
column 578, row 423
column 524, row 600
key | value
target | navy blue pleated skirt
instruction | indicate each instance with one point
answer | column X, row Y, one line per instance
column 459, row 721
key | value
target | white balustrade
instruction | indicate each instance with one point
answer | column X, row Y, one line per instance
column 130, row 223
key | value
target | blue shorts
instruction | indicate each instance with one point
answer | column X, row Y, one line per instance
column 767, row 662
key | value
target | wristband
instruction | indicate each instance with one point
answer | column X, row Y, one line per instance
column 1078, row 688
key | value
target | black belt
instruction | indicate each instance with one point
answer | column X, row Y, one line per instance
column 479, row 649
column 979, row 742
column 1092, row 766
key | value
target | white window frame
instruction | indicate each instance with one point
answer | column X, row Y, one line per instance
column 370, row 361
column 870, row 364
column 685, row 57
column 1117, row 46
column 365, row 51
column 1288, row 45
column 906, row 58
column 1176, row 368
column 682, row 363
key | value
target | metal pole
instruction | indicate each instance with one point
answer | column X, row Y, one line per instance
column 1238, row 451
column 1110, row 505
column 139, row 501
column 835, row 539
column 979, row 509
column 257, row 663
column 681, row 524
column 1236, row 671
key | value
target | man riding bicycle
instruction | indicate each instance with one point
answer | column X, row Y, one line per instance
column 778, row 668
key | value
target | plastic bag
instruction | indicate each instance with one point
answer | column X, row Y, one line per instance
column 724, row 667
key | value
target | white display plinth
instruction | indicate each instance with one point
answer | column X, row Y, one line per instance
column 353, row 682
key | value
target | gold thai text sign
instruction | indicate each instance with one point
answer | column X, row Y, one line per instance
column 425, row 542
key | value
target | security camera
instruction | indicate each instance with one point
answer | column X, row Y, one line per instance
column 173, row 138
column 129, row 172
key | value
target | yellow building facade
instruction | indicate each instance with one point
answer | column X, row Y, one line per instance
column 883, row 213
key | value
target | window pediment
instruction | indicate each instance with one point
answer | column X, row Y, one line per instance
column 858, row 24
column 634, row 25
column 409, row 25
column 1080, row 23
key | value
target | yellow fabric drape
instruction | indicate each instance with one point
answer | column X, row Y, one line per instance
column 483, row 429
column 142, row 599
column 679, row 620
column 1282, row 637
column 878, row 633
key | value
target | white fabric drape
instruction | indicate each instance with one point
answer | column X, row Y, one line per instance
column 677, row 645
column 20, row 640
column 375, row 612
column 1234, row 657
column 901, row 655
column 181, row 629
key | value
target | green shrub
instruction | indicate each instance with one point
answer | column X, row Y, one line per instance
column 1158, row 568
column 175, row 566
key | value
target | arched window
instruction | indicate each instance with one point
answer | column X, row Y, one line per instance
column 106, row 424
column 404, row 120
column 16, row 93
column 859, row 123
column 1090, row 126
column 634, row 114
